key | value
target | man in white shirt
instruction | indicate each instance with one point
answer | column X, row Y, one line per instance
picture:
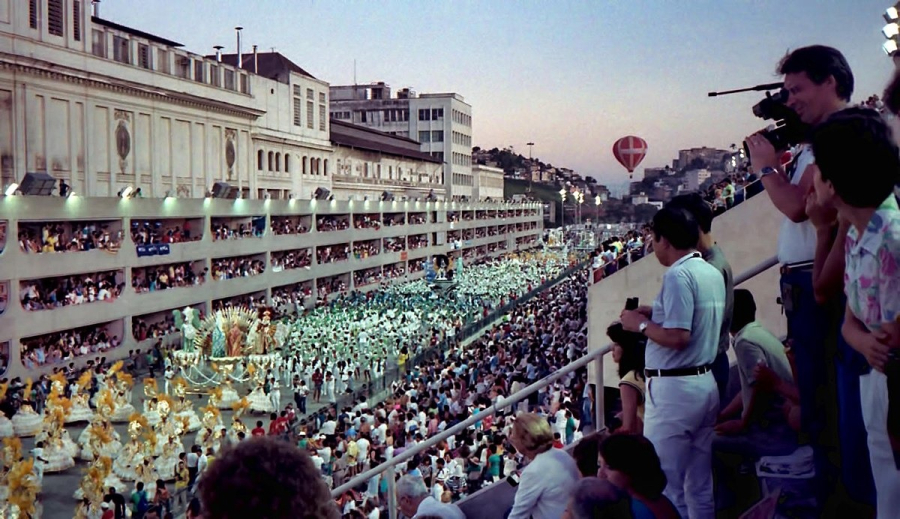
column 819, row 82
column 682, row 328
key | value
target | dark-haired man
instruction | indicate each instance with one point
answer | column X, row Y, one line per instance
column 682, row 329
column 713, row 255
column 857, row 171
column 819, row 82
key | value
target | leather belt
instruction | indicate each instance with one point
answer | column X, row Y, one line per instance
column 678, row 372
column 797, row 267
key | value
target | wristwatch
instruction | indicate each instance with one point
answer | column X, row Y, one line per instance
column 766, row 171
column 643, row 327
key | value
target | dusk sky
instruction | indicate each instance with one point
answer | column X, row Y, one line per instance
column 571, row 76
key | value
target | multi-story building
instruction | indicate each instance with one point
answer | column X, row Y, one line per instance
column 106, row 107
column 441, row 123
column 694, row 178
column 488, row 182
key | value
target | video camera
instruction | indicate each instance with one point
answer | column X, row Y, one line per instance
column 788, row 129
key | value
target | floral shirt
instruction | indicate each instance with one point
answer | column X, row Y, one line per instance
column 872, row 274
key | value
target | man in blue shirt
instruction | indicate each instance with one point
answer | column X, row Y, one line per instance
column 682, row 328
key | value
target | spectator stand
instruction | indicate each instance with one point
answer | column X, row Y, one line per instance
column 331, row 287
column 290, row 225
column 238, row 228
column 77, row 289
column 44, row 237
column 172, row 275
column 365, row 280
column 332, row 253
column 53, row 349
column 418, row 218
column 238, row 267
column 367, row 221
column 291, row 259
column 333, row 222
column 164, row 231
column 250, row 300
column 394, row 219
column 365, row 249
column 292, row 299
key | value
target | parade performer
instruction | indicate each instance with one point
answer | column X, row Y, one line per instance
column 259, row 401
column 57, row 446
column 81, row 409
column 132, row 454
column 101, row 427
column 22, row 502
column 151, row 392
column 183, row 407
column 237, row 426
column 26, row 422
column 123, row 384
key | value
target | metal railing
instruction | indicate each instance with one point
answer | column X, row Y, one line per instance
column 595, row 356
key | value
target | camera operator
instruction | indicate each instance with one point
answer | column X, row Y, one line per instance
column 819, row 83
column 682, row 327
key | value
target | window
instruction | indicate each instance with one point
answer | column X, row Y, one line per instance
column 437, row 114
column 278, row 162
column 143, row 56
column 198, row 71
column 215, row 78
column 33, row 14
column 437, row 136
column 362, row 116
column 229, row 79
column 310, row 94
column 271, row 161
column 287, row 163
column 245, row 84
column 424, row 114
column 260, row 159
column 121, row 50
column 55, row 17
column 321, row 97
column 162, row 61
column 298, row 116
column 298, row 91
column 310, row 116
column 76, row 20
column 322, row 118
column 98, row 43
column 184, row 67
column 425, row 136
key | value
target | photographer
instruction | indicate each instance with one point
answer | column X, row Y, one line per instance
column 819, row 83
column 682, row 328
column 858, row 169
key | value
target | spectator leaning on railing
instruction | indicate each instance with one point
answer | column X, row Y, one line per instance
column 682, row 328
column 857, row 171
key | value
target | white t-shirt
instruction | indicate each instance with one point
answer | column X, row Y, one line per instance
column 362, row 445
column 797, row 241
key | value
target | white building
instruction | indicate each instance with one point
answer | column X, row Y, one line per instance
column 488, row 182
column 694, row 178
column 104, row 107
column 441, row 123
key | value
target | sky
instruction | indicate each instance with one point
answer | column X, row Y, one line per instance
column 570, row 76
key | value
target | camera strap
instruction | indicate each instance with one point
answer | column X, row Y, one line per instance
column 792, row 168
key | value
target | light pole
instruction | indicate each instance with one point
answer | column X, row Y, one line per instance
column 562, row 195
column 530, row 146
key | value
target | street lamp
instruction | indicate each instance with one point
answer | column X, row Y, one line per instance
column 562, row 195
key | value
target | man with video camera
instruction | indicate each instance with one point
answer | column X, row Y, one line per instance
column 818, row 82
column 682, row 328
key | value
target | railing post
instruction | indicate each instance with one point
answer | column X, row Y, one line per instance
column 599, row 405
column 392, row 492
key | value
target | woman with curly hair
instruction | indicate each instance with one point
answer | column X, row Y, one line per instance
column 265, row 478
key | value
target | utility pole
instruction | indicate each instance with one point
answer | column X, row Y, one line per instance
column 530, row 146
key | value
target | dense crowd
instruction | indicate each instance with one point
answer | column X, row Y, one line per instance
column 394, row 220
column 395, row 244
column 50, row 293
column 418, row 241
column 365, row 249
column 282, row 225
column 141, row 330
column 223, row 230
column 332, row 253
column 290, row 299
column 229, row 268
column 55, row 348
column 367, row 222
column 287, row 260
column 155, row 232
column 163, row 277
column 72, row 237
column 331, row 223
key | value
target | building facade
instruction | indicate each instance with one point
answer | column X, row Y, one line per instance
column 441, row 123
column 106, row 107
column 488, row 182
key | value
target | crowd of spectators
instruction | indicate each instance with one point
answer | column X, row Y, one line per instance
column 394, row 271
column 224, row 230
column 417, row 265
column 67, row 237
column 291, row 298
column 64, row 346
column 418, row 241
column 392, row 220
column 326, row 287
column 365, row 249
column 452, row 216
column 163, row 277
column 395, row 244
column 50, row 293
column 332, row 223
column 142, row 330
column 282, row 225
column 366, row 221
column 332, row 253
column 230, row 268
column 162, row 231
column 294, row 259
column 247, row 300
column 418, row 219
column 366, row 277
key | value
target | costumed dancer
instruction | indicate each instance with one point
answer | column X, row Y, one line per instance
column 81, row 409
column 57, row 452
column 106, row 406
column 183, row 407
column 237, row 426
column 123, row 384
column 92, row 489
column 259, row 401
column 26, row 422
column 24, row 486
column 11, row 454
column 151, row 392
column 212, row 425
column 132, row 453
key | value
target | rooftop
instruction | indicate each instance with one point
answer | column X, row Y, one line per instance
column 270, row 64
column 361, row 137
column 135, row 32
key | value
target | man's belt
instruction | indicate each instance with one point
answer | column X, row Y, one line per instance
column 800, row 266
column 678, row 372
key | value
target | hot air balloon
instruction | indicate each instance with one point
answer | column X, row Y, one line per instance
column 630, row 151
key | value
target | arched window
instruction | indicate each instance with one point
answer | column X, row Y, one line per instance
column 260, row 159
column 305, row 165
column 278, row 162
column 325, row 169
column 271, row 161
column 287, row 163
column 378, row 171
